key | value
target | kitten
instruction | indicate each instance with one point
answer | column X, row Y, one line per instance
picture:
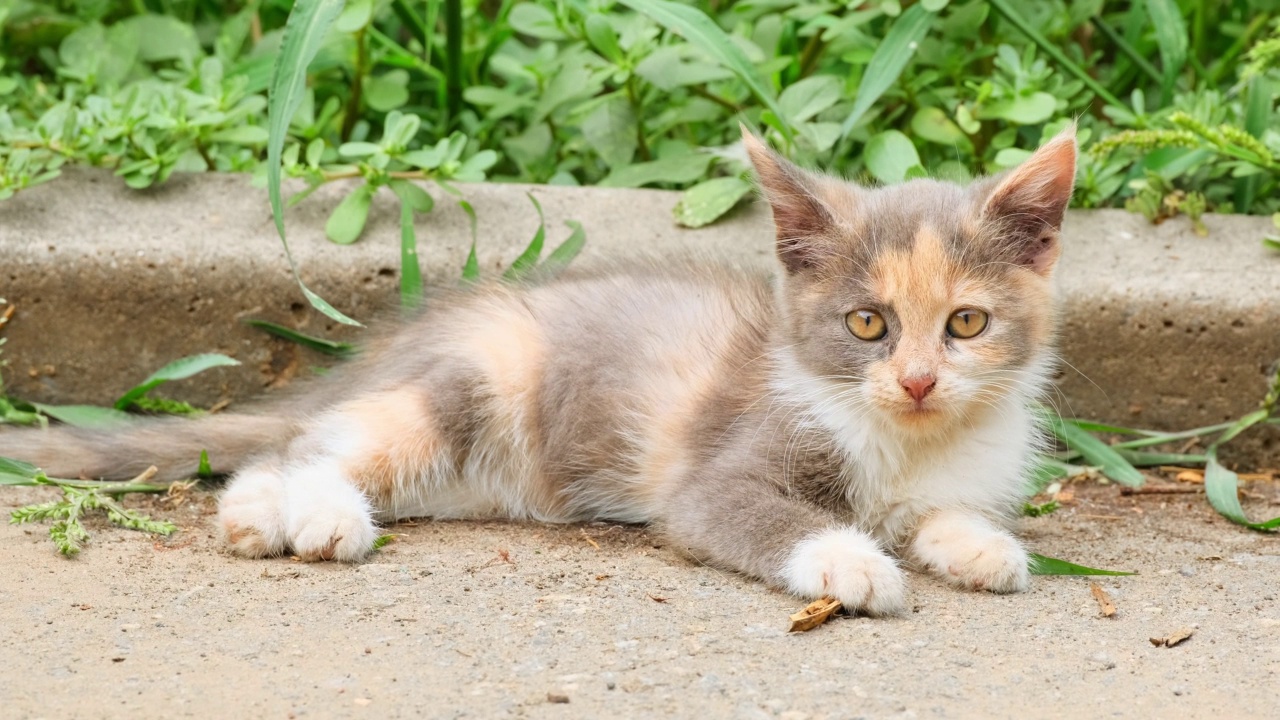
column 872, row 402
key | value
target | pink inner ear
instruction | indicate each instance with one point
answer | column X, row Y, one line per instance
column 1040, row 188
column 1031, row 202
column 799, row 216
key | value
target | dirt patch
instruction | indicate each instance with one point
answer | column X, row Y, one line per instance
column 490, row 619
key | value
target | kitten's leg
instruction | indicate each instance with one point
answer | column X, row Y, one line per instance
column 320, row 498
column 968, row 550
column 750, row 526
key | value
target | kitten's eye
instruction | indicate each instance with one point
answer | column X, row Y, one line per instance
column 866, row 325
column 965, row 324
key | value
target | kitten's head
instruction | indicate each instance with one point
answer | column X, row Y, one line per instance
column 925, row 301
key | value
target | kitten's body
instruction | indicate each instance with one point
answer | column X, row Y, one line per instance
column 736, row 413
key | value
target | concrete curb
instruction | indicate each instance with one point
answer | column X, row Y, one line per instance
column 1163, row 329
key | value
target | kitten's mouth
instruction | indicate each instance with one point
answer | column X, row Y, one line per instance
column 919, row 411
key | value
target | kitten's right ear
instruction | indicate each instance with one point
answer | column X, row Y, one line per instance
column 799, row 216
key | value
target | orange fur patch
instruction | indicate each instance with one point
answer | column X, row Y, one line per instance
column 400, row 441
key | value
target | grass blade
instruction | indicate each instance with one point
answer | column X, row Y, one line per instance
column 890, row 58
column 1171, row 38
column 529, row 258
column 410, row 268
column 470, row 271
column 1096, row 452
column 694, row 25
column 177, row 370
column 565, row 252
column 1138, row 458
column 303, row 33
column 1041, row 565
column 328, row 347
column 1126, row 47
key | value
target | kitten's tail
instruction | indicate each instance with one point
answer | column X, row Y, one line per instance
column 173, row 445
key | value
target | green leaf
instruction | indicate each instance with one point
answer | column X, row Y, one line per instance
column 179, row 369
column 417, row 197
column 1030, row 109
column 1041, row 565
column 304, row 31
column 11, row 470
column 890, row 155
column 565, row 252
column 348, row 218
column 204, row 470
column 890, row 58
column 1096, row 452
column 602, row 37
column 674, row 169
column 161, row 38
column 693, row 25
column 1010, row 157
column 610, row 130
column 328, row 347
column 355, row 15
column 810, row 96
column 388, row 91
column 1221, row 486
column 1271, row 241
column 529, row 258
column 382, row 541
column 708, row 200
column 932, row 124
column 534, row 20
column 87, row 416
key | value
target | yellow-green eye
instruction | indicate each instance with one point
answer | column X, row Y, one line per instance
column 866, row 325
column 965, row 324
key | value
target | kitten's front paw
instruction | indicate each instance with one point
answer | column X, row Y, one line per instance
column 327, row 517
column 251, row 512
column 969, row 552
column 848, row 565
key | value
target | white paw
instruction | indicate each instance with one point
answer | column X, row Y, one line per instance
column 848, row 565
column 970, row 552
column 251, row 512
column 327, row 518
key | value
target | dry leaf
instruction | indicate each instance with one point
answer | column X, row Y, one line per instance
column 1065, row 497
column 814, row 614
column 1190, row 476
column 1179, row 637
column 655, row 598
column 1105, row 604
column 1174, row 639
column 557, row 698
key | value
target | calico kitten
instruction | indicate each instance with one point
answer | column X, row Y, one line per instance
column 872, row 402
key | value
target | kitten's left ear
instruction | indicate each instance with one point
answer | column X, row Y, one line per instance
column 1029, row 203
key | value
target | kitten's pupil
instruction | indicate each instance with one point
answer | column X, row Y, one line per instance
column 866, row 325
column 965, row 324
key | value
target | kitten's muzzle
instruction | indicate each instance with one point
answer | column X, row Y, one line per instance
column 918, row 387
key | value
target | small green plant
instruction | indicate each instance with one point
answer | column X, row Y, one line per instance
column 137, row 398
column 79, row 499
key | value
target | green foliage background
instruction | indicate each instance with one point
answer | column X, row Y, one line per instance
column 1175, row 98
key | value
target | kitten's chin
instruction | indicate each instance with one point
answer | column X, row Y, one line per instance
column 927, row 417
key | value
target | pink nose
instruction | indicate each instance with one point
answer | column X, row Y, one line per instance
column 918, row 387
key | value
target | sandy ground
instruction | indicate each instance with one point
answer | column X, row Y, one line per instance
column 494, row 620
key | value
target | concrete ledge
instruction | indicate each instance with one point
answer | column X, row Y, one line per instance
column 1163, row 329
